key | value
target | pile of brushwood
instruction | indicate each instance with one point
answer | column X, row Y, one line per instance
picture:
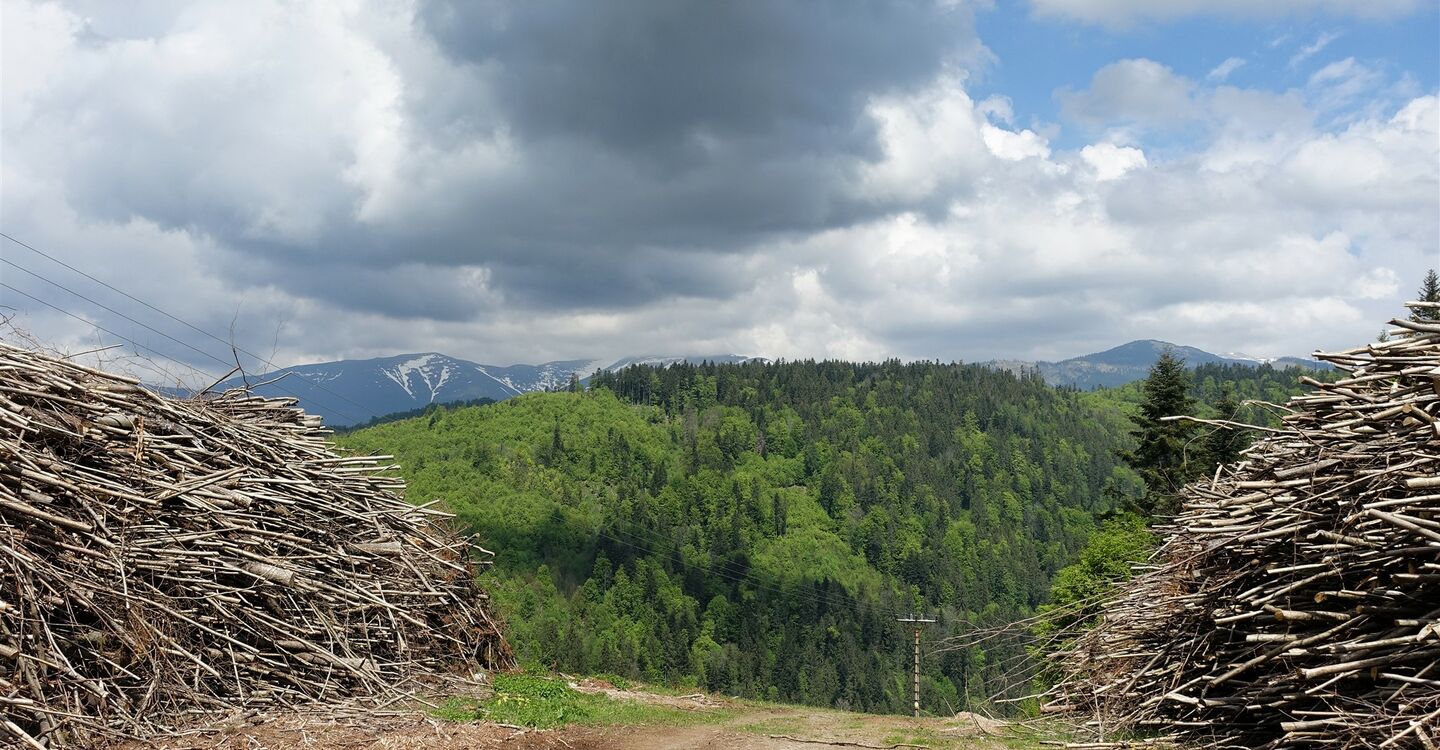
column 161, row 559
column 1296, row 601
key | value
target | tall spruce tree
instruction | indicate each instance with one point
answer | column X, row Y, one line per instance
column 1160, row 454
column 1429, row 292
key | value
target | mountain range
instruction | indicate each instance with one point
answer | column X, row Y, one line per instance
column 353, row 391
column 1130, row 362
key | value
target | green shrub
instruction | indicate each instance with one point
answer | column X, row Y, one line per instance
column 616, row 680
column 546, row 702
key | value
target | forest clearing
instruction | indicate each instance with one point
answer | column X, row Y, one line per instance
column 634, row 718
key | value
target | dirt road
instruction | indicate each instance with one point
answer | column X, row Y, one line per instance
column 738, row 725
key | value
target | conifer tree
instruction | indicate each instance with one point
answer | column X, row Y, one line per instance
column 555, row 453
column 1160, row 455
column 1223, row 446
column 1429, row 292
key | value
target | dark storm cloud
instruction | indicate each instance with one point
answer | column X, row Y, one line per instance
column 677, row 125
column 652, row 77
column 592, row 280
column 568, row 279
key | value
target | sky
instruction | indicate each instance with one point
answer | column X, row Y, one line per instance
column 518, row 182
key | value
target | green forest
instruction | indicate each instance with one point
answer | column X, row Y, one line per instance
column 755, row 529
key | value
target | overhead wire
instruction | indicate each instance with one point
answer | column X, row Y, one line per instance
column 152, row 329
column 315, row 383
column 723, row 570
column 103, row 329
column 318, row 402
column 624, row 537
column 112, row 310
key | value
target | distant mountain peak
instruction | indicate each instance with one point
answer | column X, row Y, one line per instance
column 1131, row 361
column 352, row 391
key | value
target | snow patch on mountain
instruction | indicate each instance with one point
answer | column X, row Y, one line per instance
column 505, row 381
column 317, row 376
column 1243, row 357
column 427, row 372
column 348, row 392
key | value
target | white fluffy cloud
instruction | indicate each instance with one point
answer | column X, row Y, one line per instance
column 1139, row 91
column 325, row 181
column 1262, row 240
column 1110, row 161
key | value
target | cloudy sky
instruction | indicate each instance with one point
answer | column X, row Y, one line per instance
column 519, row 182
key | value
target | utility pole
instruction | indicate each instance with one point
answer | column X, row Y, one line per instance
column 916, row 622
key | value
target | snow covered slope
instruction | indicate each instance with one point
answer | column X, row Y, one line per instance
column 352, row 391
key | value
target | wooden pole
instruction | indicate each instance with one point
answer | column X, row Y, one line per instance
column 916, row 692
column 915, row 673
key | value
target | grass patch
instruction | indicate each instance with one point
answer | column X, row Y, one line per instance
column 456, row 708
column 546, row 702
column 779, row 725
column 927, row 737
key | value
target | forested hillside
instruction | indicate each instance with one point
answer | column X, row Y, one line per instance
column 819, row 499
column 756, row 528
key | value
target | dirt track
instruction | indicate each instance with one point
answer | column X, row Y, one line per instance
column 747, row 726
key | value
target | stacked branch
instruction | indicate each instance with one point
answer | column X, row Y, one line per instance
column 1297, row 599
column 163, row 558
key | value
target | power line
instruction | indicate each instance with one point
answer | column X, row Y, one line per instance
column 99, row 327
column 729, row 572
column 127, row 295
column 62, row 287
column 733, row 575
column 112, row 310
column 187, row 324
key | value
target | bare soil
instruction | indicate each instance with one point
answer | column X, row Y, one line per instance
column 747, row 726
